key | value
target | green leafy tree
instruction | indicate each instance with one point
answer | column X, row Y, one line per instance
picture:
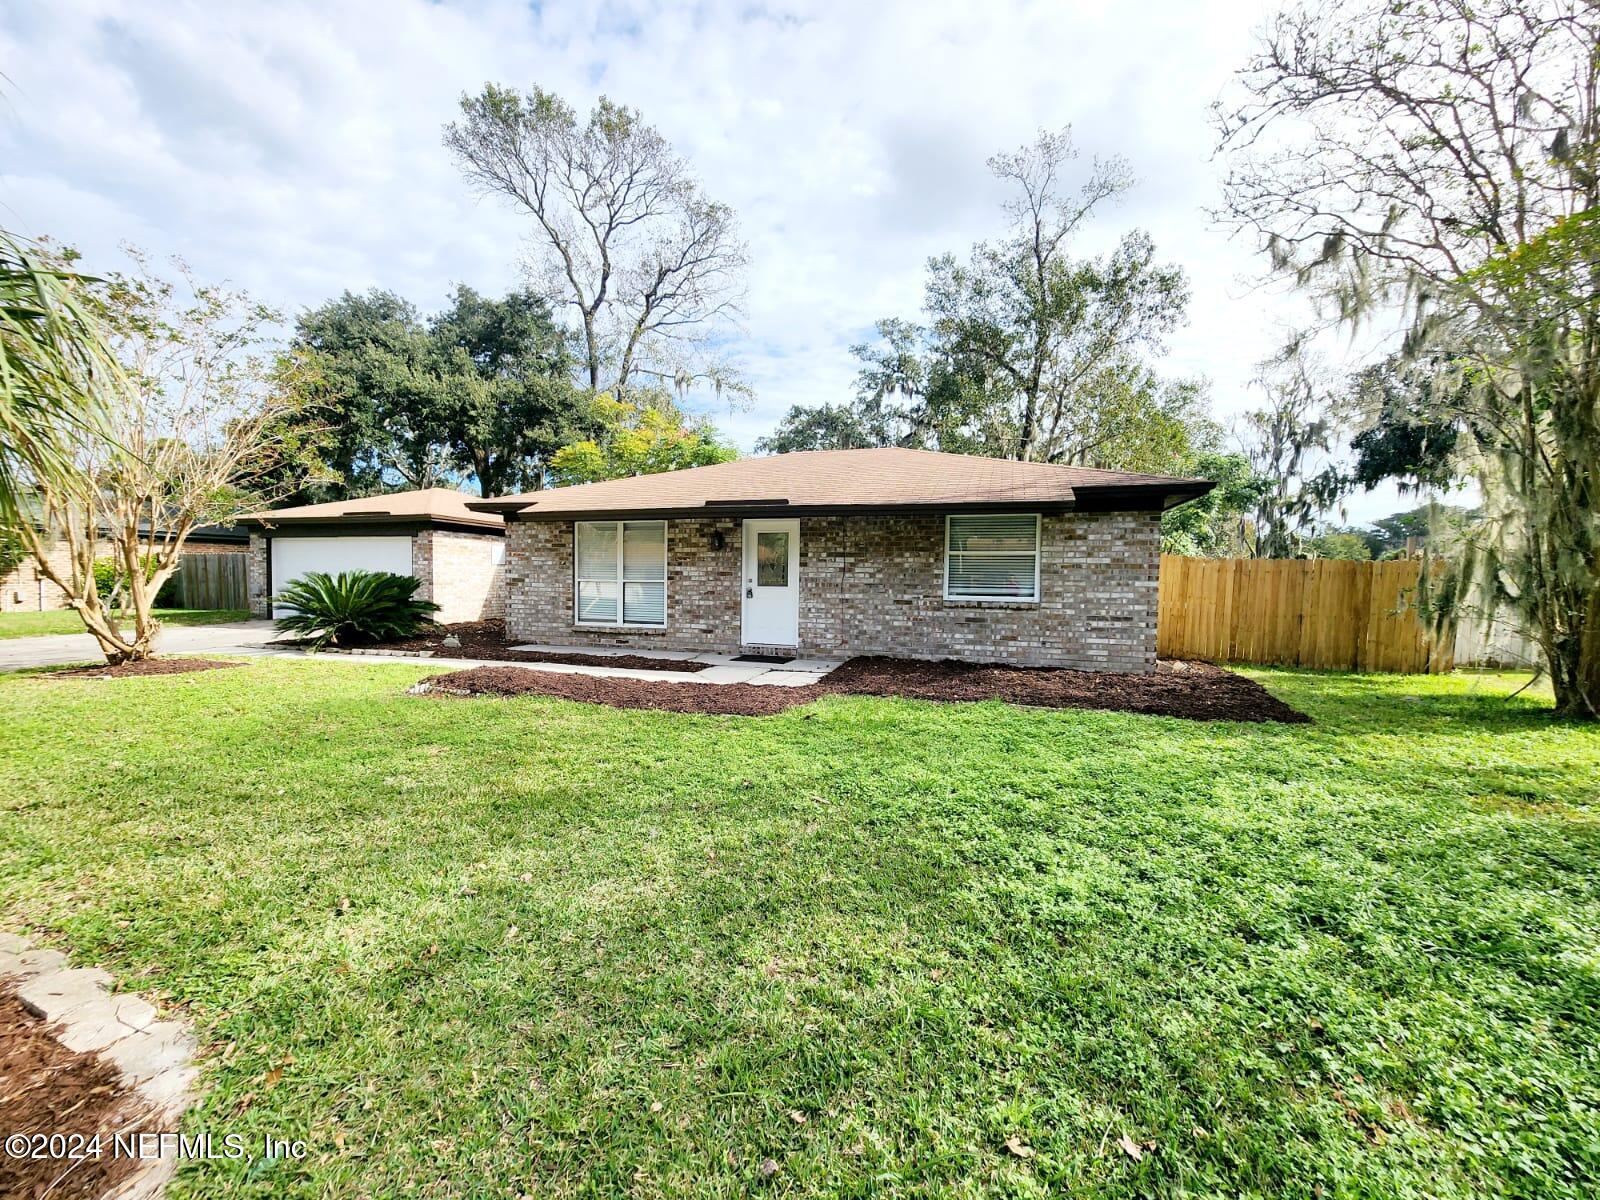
column 1390, row 536
column 1217, row 525
column 1438, row 162
column 368, row 383
column 503, row 394
column 1406, row 435
column 638, row 441
column 12, row 552
column 482, row 390
column 1349, row 544
column 1028, row 352
column 819, row 427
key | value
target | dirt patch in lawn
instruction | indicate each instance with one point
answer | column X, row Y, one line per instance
column 150, row 666
column 487, row 640
column 46, row 1088
column 1198, row 691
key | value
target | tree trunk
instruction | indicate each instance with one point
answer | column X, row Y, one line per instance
column 1577, row 684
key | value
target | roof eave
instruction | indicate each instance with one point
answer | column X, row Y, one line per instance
column 266, row 522
column 1122, row 498
column 1140, row 497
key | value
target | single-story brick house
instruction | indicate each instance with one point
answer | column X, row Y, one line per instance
column 888, row 551
column 26, row 589
column 429, row 533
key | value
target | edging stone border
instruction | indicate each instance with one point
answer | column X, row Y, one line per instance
column 155, row 1058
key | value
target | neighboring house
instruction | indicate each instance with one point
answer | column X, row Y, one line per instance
column 430, row 533
column 25, row 589
column 897, row 552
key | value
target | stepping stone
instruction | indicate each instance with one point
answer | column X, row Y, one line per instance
column 53, row 995
column 99, row 1023
column 32, row 962
column 170, row 1087
column 10, row 943
column 153, row 1051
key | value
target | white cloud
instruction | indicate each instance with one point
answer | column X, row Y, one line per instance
column 295, row 149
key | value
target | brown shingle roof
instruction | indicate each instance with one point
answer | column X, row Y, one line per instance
column 835, row 480
column 425, row 505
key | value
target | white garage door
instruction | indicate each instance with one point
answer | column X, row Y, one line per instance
column 292, row 557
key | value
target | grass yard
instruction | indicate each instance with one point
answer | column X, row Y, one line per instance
column 505, row 947
column 33, row 624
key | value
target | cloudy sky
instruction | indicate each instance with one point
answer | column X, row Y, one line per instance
column 294, row 148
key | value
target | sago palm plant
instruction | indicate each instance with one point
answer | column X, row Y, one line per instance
column 354, row 608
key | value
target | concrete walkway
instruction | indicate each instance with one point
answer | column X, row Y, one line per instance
column 723, row 668
column 259, row 639
column 56, row 649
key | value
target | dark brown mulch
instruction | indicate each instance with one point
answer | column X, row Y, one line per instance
column 487, row 640
column 150, row 666
column 1198, row 691
column 46, row 1088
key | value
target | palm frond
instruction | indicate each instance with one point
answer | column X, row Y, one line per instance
column 354, row 607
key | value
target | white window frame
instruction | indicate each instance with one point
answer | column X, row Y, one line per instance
column 619, row 623
column 1038, row 554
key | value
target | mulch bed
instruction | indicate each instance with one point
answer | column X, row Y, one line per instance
column 46, row 1088
column 150, row 666
column 487, row 640
column 1198, row 691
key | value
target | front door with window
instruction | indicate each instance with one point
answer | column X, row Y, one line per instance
column 771, row 583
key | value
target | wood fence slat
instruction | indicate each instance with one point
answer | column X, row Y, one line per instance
column 214, row 580
column 1295, row 612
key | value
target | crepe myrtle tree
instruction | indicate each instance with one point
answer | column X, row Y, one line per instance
column 1434, row 165
column 192, row 428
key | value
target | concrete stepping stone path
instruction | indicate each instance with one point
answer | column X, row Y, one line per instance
column 156, row 1058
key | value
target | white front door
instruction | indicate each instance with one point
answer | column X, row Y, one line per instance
column 771, row 583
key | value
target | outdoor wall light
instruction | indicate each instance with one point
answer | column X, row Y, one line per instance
column 718, row 541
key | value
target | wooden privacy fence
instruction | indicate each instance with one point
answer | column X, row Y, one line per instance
column 1351, row 616
column 214, row 581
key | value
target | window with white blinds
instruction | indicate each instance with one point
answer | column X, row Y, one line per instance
column 620, row 572
column 991, row 556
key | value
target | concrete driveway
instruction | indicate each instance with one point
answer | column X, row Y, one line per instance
column 237, row 637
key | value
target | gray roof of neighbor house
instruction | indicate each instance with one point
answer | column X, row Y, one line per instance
column 425, row 506
column 819, row 482
column 230, row 534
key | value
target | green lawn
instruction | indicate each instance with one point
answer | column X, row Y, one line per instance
column 496, row 948
column 32, row 624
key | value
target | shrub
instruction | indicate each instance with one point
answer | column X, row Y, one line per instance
column 108, row 575
column 354, row 607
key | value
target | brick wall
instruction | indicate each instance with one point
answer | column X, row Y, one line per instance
column 459, row 574
column 257, row 577
column 874, row 585
column 24, row 590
